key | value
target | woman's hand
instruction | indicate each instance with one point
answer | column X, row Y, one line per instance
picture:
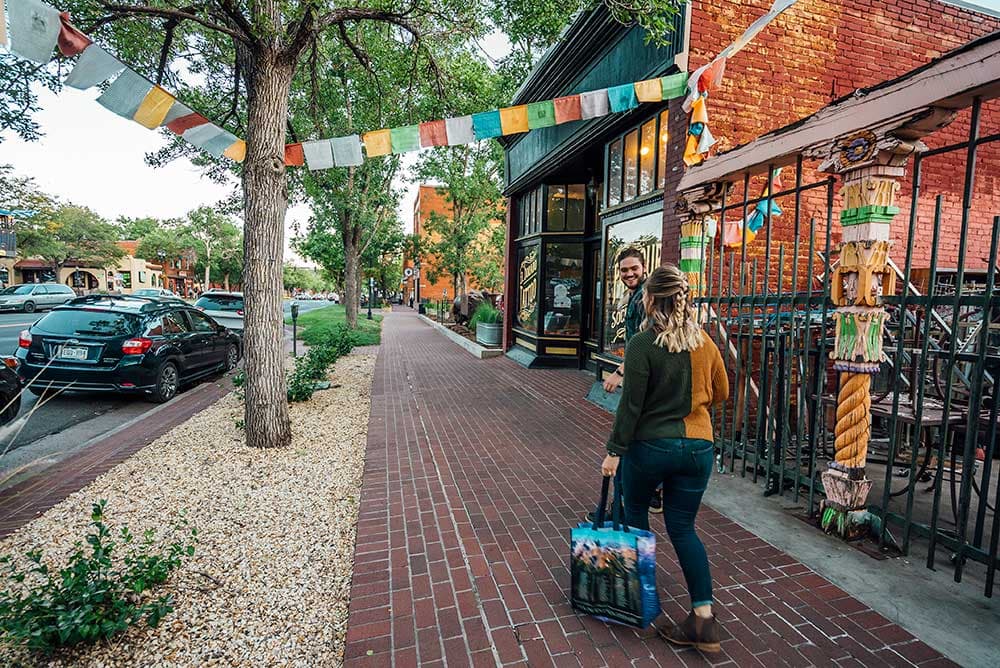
column 610, row 465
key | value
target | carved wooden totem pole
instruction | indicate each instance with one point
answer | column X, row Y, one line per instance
column 871, row 168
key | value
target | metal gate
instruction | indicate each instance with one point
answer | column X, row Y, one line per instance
column 935, row 407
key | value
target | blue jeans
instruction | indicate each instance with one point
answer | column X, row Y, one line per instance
column 682, row 466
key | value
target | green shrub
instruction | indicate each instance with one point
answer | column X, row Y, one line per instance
column 314, row 365
column 485, row 313
column 94, row 597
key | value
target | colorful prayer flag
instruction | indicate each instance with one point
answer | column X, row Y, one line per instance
column 34, row 30
column 711, row 78
column 706, row 141
column 567, row 108
column 514, row 120
column 622, row 98
column 594, row 104
column 347, row 151
column 294, row 156
column 154, row 108
column 94, row 66
column 182, row 124
column 650, row 90
column 71, row 41
column 459, row 130
column 691, row 155
column 674, row 85
column 201, row 135
column 318, row 154
column 377, row 143
column 699, row 112
column 3, row 25
column 125, row 94
column 218, row 144
column 486, row 125
column 541, row 114
column 404, row 139
column 434, row 133
column 237, row 151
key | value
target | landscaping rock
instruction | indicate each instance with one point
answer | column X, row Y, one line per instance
column 270, row 580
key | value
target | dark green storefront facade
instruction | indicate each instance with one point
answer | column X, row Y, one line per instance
column 581, row 191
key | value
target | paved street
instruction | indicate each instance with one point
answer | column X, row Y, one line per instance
column 69, row 420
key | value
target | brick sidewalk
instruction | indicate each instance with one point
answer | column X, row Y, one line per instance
column 475, row 472
column 23, row 502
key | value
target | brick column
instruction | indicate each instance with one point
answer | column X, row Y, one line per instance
column 871, row 168
column 677, row 127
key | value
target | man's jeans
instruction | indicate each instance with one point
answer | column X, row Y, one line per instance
column 682, row 466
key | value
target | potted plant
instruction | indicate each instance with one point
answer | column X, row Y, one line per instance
column 487, row 323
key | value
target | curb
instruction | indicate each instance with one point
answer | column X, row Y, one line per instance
column 474, row 349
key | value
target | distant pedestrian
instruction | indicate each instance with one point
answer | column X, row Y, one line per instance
column 663, row 433
column 411, row 301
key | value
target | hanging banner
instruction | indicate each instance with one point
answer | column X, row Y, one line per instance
column 34, row 30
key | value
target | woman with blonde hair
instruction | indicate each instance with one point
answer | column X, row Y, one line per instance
column 663, row 432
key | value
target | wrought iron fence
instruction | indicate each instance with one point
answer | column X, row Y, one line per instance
column 935, row 407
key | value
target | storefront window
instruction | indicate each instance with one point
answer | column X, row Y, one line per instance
column 527, row 288
column 576, row 207
column 615, row 172
column 661, row 168
column 563, row 289
column 556, row 209
column 631, row 168
column 595, row 264
column 643, row 233
column 647, row 157
column 126, row 279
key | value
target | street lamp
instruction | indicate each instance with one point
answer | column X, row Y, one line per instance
column 371, row 288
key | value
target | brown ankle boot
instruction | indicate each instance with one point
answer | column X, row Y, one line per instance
column 699, row 632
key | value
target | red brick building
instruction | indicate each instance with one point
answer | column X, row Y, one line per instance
column 564, row 304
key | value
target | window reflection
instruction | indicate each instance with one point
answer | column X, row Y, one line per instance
column 615, row 173
column 556, row 220
column 647, row 157
column 661, row 168
column 643, row 233
column 563, row 289
column 631, row 166
column 576, row 207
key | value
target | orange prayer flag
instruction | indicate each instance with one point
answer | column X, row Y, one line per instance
column 567, row 108
column 514, row 119
column 181, row 125
column 699, row 112
column 71, row 41
column 237, row 151
column 650, row 90
column 378, row 142
column 294, row 157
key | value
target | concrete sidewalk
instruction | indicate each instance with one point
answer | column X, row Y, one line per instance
column 476, row 470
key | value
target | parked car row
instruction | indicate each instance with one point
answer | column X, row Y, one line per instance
column 32, row 297
column 148, row 346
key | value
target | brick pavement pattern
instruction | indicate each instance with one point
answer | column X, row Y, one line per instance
column 476, row 470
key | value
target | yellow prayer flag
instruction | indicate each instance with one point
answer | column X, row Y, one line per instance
column 650, row 90
column 514, row 119
column 691, row 155
column 378, row 142
column 154, row 108
column 699, row 112
column 237, row 151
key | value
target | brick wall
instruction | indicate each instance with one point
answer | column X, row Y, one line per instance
column 822, row 50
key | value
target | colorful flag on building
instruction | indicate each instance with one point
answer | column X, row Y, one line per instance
column 486, row 125
column 405, row 139
column 94, row 66
column 34, row 30
column 594, row 104
column 71, row 41
column 650, row 90
column 567, row 109
column 514, row 120
column 154, row 108
column 294, row 157
column 201, row 135
column 622, row 98
column 459, row 130
column 674, row 85
column 237, row 151
column 434, row 133
column 541, row 114
column 182, row 124
column 218, row 144
column 378, row 142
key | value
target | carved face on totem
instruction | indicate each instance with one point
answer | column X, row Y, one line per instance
column 849, row 283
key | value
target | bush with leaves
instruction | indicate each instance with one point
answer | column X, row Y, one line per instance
column 97, row 595
column 485, row 313
column 313, row 366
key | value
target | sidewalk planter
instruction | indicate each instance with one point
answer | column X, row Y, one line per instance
column 489, row 334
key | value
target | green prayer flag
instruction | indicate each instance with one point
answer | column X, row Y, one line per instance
column 406, row 138
column 541, row 114
column 674, row 85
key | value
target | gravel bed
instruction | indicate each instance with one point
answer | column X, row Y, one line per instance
column 270, row 579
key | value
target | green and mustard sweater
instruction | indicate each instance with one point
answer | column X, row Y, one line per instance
column 667, row 395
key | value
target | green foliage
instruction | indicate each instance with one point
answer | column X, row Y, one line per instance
column 70, row 233
column 97, row 595
column 303, row 278
column 485, row 313
column 317, row 325
column 19, row 99
column 313, row 366
column 218, row 243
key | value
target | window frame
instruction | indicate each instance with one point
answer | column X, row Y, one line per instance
column 660, row 119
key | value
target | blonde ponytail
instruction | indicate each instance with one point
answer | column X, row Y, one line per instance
column 669, row 312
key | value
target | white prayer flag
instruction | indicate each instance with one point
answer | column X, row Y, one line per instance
column 34, row 30
column 347, row 151
column 594, row 104
column 94, row 66
column 318, row 154
column 459, row 130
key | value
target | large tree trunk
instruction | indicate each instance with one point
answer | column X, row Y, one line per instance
column 208, row 268
column 352, row 285
column 265, row 197
column 225, row 281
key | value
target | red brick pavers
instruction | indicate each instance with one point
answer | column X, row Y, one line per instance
column 475, row 472
column 23, row 502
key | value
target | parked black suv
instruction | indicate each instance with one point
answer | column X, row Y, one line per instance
column 109, row 343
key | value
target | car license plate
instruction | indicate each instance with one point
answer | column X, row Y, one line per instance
column 68, row 353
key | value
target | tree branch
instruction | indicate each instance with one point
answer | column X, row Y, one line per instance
column 179, row 14
column 168, row 39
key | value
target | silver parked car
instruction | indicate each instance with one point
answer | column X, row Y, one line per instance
column 31, row 297
column 154, row 292
column 226, row 308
